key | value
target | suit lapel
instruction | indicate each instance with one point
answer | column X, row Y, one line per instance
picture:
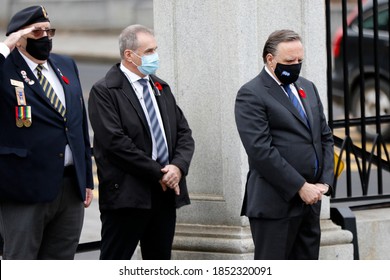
column 128, row 90
column 162, row 106
column 67, row 94
column 116, row 79
column 277, row 92
column 305, row 102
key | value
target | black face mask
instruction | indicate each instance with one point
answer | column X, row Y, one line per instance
column 287, row 73
column 40, row 48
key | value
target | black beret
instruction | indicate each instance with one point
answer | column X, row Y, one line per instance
column 27, row 17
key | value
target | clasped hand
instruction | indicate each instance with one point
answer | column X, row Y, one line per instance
column 312, row 193
column 171, row 178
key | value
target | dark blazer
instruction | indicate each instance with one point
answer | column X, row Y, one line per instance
column 32, row 158
column 280, row 146
column 123, row 144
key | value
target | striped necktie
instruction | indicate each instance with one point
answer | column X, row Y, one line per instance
column 49, row 92
column 162, row 150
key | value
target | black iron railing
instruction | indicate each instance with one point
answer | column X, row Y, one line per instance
column 360, row 61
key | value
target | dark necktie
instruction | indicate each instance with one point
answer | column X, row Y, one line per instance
column 296, row 103
column 49, row 92
column 162, row 151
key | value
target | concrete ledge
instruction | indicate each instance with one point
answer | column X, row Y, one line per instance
column 336, row 243
column 373, row 229
column 199, row 242
column 204, row 242
column 332, row 234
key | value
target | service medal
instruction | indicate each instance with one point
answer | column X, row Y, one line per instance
column 27, row 121
column 19, row 123
column 23, row 116
column 18, row 116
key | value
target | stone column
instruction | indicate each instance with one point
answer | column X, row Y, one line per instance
column 208, row 50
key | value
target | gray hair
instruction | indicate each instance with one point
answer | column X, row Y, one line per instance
column 277, row 37
column 128, row 37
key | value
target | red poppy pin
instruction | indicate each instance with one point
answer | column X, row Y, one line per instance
column 158, row 85
column 302, row 93
column 65, row 79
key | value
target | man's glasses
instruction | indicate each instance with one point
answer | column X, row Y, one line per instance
column 40, row 32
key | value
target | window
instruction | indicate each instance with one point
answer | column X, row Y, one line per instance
column 383, row 20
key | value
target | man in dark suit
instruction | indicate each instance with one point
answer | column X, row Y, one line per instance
column 143, row 148
column 45, row 157
column 282, row 126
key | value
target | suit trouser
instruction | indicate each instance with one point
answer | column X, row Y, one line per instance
column 293, row 238
column 122, row 229
column 44, row 230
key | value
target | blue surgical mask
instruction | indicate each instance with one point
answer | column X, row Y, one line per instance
column 149, row 63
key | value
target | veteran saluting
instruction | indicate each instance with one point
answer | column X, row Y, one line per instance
column 45, row 155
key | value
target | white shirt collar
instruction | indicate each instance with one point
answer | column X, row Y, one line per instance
column 32, row 64
column 132, row 76
column 273, row 77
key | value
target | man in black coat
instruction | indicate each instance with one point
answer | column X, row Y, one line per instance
column 143, row 148
column 45, row 154
column 282, row 126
